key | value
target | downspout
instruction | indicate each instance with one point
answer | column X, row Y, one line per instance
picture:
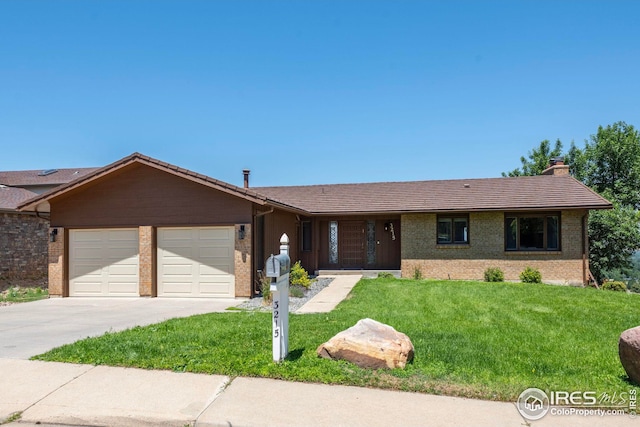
column 264, row 213
column 42, row 217
column 253, row 254
column 585, row 249
column 254, row 224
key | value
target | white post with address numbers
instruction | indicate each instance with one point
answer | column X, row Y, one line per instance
column 278, row 267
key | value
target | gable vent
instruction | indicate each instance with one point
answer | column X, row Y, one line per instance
column 48, row 172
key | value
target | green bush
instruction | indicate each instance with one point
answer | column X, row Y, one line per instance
column 493, row 274
column 385, row 275
column 531, row 275
column 614, row 286
column 635, row 286
column 417, row 274
column 296, row 292
column 298, row 276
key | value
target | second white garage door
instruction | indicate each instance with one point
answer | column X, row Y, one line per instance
column 196, row 262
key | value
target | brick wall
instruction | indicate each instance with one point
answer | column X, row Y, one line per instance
column 57, row 268
column 242, row 267
column 23, row 246
column 147, row 261
column 486, row 249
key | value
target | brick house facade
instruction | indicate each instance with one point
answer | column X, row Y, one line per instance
column 485, row 249
column 165, row 231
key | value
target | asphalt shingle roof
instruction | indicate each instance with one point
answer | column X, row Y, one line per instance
column 11, row 197
column 521, row 193
column 35, row 177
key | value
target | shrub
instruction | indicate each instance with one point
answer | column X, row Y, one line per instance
column 265, row 288
column 296, row 292
column 614, row 286
column 531, row 275
column 417, row 274
column 298, row 276
column 264, row 284
column 385, row 275
column 493, row 274
column 635, row 286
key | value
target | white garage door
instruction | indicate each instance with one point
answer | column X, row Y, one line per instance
column 103, row 262
column 196, row 262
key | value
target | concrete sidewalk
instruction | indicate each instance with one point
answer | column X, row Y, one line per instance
column 67, row 394
column 328, row 298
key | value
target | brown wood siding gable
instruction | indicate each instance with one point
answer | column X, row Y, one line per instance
column 142, row 195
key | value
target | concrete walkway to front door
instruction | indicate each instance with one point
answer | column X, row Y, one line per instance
column 328, row 298
column 36, row 327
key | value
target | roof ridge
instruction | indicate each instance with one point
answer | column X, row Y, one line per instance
column 412, row 181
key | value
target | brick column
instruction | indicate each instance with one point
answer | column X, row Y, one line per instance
column 58, row 285
column 147, row 261
column 242, row 263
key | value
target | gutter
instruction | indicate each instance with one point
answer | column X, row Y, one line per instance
column 419, row 211
column 48, row 218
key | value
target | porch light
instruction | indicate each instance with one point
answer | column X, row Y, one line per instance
column 53, row 234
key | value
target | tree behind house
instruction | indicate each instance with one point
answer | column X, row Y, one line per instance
column 538, row 159
column 609, row 163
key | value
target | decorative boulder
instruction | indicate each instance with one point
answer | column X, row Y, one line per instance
column 629, row 351
column 369, row 344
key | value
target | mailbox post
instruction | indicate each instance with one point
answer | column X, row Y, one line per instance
column 278, row 267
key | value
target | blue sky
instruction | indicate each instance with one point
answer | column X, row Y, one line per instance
column 311, row 92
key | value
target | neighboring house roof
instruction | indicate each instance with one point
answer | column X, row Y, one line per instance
column 545, row 192
column 11, row 197
column 248, row 194
column 521, row 193
column 42, row 177
column 15, row 185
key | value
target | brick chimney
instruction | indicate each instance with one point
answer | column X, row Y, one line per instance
column 556, row 167
column 246, row 173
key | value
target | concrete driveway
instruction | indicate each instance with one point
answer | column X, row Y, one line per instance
column 33, row 328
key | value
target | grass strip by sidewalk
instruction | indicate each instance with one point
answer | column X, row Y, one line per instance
column 472, row 339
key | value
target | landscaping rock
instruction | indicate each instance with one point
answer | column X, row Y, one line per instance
column 629, row 351
column 369, row 344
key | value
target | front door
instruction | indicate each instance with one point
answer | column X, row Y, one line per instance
column 352, row 244
column 368, row 244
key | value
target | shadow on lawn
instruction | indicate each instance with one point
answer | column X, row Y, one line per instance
column 295, row 354
column 629, row 381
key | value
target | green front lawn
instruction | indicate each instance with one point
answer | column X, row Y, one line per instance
column 18, row 294
column 471, row 339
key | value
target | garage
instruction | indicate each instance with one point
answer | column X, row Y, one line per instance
column 103, row 262
column 196, row 262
